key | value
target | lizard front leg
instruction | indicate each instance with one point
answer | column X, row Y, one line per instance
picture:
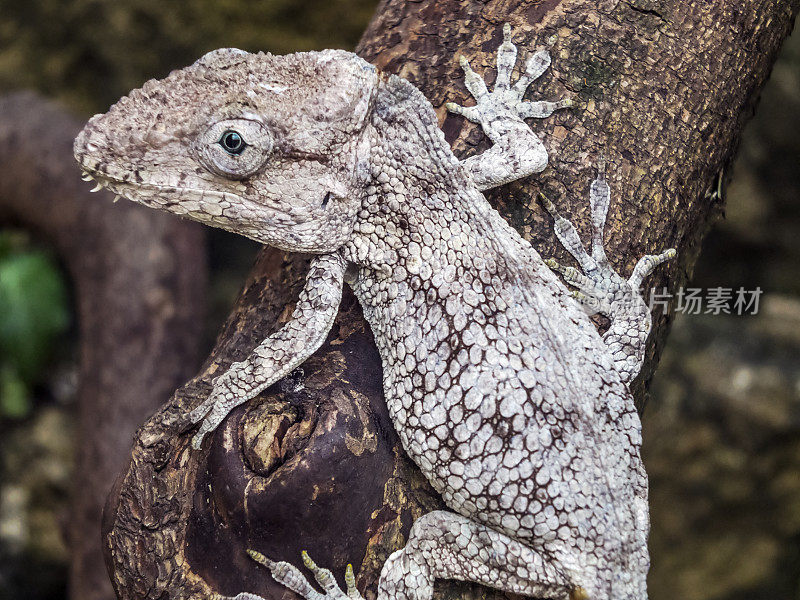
column 517, row 151
column 281, row 352
column 601, row 289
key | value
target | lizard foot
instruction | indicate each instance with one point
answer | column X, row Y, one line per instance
column 506, row 99
column 291, row 577
column 600, row 288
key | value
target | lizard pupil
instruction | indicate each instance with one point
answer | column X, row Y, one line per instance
column 232, row 142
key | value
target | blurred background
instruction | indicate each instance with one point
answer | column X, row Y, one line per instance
column 722, row 427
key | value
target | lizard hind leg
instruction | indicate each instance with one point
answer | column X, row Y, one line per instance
column 441, row 545
column 601, row 288
column 290, row 576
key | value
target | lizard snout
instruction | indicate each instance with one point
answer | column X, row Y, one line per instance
column 89, row 144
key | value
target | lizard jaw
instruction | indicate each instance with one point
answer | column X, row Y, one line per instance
column 151, row 195
column 225, row 210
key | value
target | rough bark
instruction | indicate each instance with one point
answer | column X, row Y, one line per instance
column 665, row 89
column 138, row 279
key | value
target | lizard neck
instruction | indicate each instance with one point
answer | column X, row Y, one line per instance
column 423, row 225
column 417, row 196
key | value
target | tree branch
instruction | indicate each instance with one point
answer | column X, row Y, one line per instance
column 665, row 89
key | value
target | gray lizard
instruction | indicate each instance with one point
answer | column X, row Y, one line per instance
column 501, row 389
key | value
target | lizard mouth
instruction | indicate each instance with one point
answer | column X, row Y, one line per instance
column 104, row 182
column 224, row 209
column 133, row 184
column 181, row 200
column 135, row 192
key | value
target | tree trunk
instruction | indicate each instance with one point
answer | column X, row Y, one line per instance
column 139, row 281
column 664, row 90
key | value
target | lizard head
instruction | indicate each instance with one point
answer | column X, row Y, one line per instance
column 265, row 146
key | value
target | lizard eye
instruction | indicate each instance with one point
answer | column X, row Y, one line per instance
column 221, row 147
column 232, row 142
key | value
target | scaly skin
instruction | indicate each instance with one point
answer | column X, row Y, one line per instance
column 499, row 386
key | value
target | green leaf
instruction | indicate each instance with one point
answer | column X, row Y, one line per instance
column 15, row 397
column 33, row 311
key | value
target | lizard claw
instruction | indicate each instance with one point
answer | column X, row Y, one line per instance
column 261, row 559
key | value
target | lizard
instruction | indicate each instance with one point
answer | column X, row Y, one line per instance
column 501, row 389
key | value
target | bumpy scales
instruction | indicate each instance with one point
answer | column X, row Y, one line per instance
column 500, row 388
